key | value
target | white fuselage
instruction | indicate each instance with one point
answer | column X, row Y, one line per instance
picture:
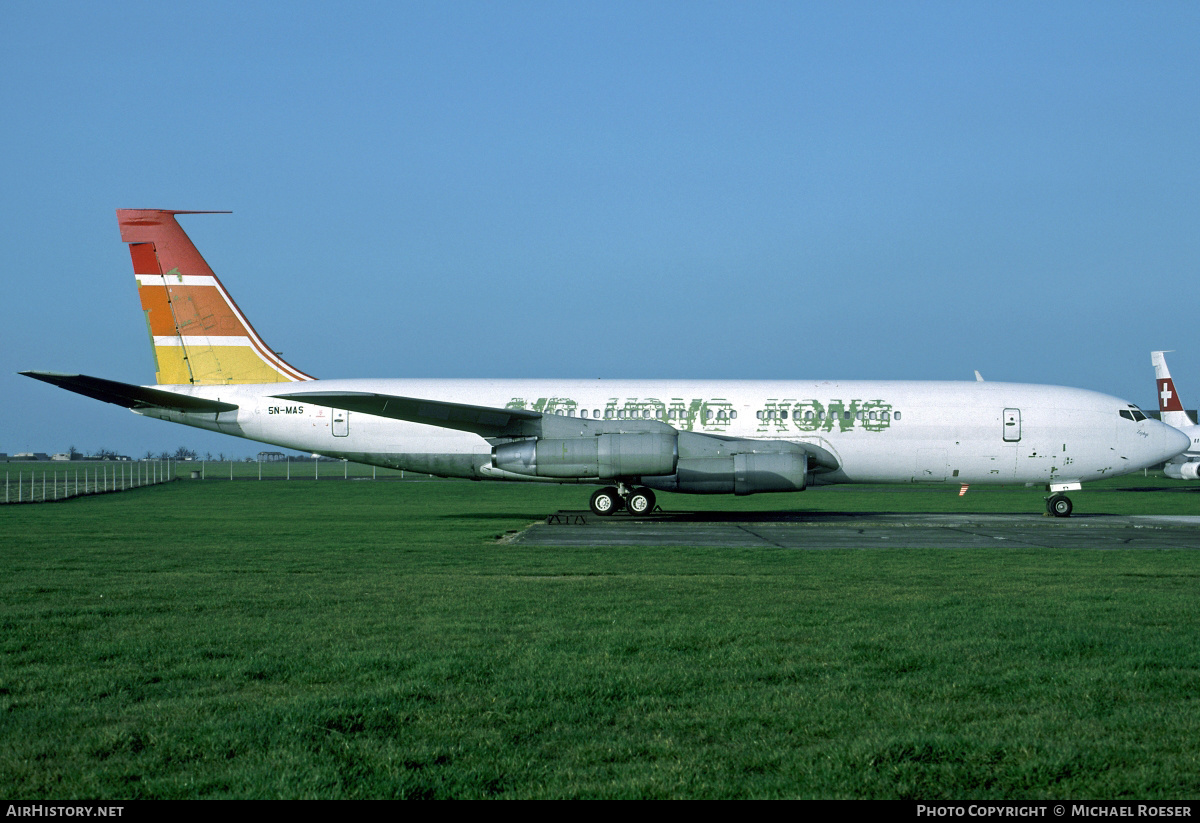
column 879, row 431
column 1193, row 449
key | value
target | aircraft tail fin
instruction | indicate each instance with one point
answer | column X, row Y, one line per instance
column 1170, row 407
column 198, row 334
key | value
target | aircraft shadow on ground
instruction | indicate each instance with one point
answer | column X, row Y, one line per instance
column 780, row 516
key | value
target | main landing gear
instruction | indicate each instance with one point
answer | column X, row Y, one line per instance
column 612, row 499
column 1058, row 505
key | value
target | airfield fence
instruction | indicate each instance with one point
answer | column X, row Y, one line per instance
column 292, row 468
column 46, row 484
column 50, row 484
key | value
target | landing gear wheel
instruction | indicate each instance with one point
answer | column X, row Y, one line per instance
column 1059, row 505
column 606, row 501
column 640, row 502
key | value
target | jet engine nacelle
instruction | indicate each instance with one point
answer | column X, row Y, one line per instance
column 1182, row 471
column 746, row 473
column 604, row 456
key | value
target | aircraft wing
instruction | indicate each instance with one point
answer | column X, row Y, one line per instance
column 128, row 395
column 490, row 422
column 482, row 420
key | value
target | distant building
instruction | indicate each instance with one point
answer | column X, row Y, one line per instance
column 271, row 457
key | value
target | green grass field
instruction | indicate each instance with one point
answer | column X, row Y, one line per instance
column 218, row 638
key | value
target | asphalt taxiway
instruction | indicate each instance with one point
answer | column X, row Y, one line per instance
column 845, row 530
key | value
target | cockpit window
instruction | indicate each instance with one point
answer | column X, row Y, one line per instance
column 1133, row 413
column 1127, row 414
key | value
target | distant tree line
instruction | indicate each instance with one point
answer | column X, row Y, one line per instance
column 181, row 453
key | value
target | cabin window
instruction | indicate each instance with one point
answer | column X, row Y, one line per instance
column 733, row 415
column 884, row 415
column 895, row 415
column 583, row 413
column 708, row 414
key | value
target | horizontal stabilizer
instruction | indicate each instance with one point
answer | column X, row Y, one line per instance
column 481, row 420
column 128, row 395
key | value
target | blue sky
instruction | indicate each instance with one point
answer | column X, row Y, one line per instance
column 703, row 190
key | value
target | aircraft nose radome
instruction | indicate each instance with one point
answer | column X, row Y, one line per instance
column 1173, row 442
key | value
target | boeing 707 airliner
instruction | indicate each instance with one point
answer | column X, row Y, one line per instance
column 627, row 437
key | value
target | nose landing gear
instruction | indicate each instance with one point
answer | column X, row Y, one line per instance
column 1058, row 505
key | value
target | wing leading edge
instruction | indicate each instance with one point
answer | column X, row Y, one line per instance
column 481, row 420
